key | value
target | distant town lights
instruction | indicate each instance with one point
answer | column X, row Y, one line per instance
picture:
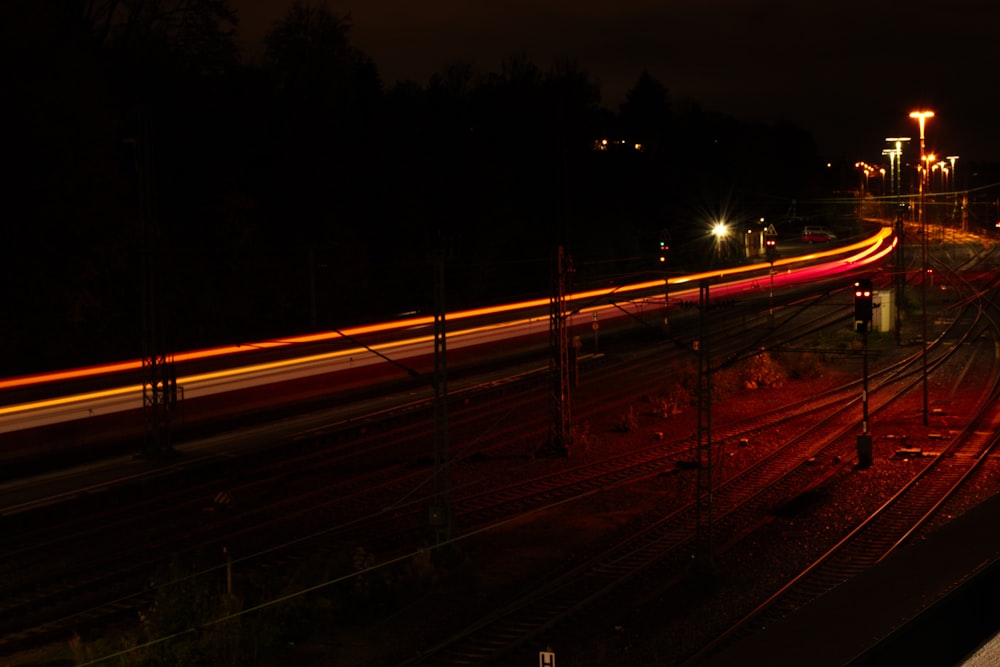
column 605, row 144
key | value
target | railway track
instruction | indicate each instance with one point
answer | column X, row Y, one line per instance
column 479, row 508
column 900, row 517
column 669, row 543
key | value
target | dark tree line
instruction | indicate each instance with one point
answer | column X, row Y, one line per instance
column 296, row 191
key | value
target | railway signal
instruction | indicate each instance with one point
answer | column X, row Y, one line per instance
column 771, row 247
column 862, row 320
column 664, row 249
column 771, row 250
column 664, row 245
column 862, row 304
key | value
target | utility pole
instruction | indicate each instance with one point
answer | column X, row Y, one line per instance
column 159, row 377
column 560, row 421
column 921, row 117
column 900, row 272
column 863, row 309
column 895, row 163
column 664, row 252
column 704, row 491
column 771, row 250
column 440, row 510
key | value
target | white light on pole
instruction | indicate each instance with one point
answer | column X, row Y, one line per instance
column 897, row 150
column 720, row 230
column 951, row 159
column 921, row 117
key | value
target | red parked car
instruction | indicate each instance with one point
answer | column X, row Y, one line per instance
column 817, row 235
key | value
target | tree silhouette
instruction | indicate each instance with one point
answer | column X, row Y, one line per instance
column 198, row 34
column 294, row 193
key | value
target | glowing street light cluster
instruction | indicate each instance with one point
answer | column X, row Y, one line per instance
column 868, row 170
column 929, row 162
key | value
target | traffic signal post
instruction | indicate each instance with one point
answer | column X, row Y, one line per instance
column 664, row 249
column 862, row 322
column 771, row 248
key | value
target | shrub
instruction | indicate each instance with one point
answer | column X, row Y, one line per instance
column 802, row 365
column 627, row 422
column 761, row 370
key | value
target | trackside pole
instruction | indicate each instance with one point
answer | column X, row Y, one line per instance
column 863, row 307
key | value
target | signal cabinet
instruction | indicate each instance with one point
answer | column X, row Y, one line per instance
column 883, row 310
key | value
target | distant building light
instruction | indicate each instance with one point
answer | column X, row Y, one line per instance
column 605, row 144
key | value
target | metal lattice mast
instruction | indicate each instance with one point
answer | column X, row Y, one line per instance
column 560, row 433
column 159, row 379
column 704, row 491
column 440, row 511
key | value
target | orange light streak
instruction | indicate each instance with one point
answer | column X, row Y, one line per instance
column 868, row 245
column 251, row 369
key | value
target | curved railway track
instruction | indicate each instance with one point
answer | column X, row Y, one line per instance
column 370, row 494
column 669, row 543
column 914, row 505
column 44, row 596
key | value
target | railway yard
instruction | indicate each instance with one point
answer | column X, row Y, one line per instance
column 667, row 620
column 612, row 555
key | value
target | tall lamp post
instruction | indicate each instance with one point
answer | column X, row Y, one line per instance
column 951, row 159
column 895, row 163
column 866, row 170
column 897, row 151
column 720, row 230
column 921, row 117
column 954, row 184
column 945, row 171
column 928, row 186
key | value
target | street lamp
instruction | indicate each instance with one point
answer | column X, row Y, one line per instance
column 921, row 117
column 942, row 216
column 954, row 185
column 720, row 230
column 897, row 152
column 928, row 169
column 891, row 154
column 945, row 169
column 866, row 171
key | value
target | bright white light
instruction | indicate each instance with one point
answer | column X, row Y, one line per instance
column 720, row 229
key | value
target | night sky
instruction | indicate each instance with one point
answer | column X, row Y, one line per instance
column 243, row 162
column 847, row 72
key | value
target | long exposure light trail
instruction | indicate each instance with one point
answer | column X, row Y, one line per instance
column 126, row 397
column 129, row 396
